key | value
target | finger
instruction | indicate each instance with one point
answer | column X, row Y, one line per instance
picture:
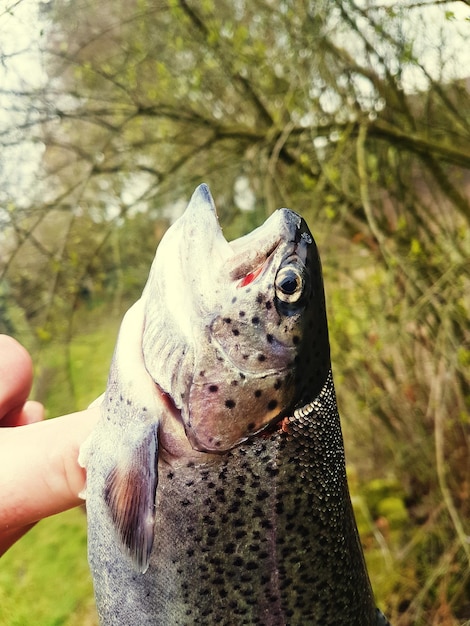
column 9, row 537
column 30, row 413
column 16, row 375
column 40, row 473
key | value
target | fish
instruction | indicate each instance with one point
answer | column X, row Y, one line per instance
column 216, row 488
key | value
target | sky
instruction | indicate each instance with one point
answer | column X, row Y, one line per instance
column 20, row 70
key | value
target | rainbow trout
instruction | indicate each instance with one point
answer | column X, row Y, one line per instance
column 216, row 484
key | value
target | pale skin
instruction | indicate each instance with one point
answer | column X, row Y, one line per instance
column 39, row 470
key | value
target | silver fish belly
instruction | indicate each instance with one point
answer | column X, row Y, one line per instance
column 216, row 483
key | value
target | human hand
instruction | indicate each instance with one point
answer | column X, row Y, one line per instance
column 39, row 471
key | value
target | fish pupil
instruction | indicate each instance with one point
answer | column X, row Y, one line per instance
column 289, row 285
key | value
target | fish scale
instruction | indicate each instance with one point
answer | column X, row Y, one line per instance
column 216, row 482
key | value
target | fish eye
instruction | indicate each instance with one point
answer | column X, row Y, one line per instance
column 289, row 283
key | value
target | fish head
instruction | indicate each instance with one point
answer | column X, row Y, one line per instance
column 244, row 321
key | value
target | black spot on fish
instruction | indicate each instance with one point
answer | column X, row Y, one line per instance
column 213, row 388
column 241, row 313
column 255, row 320
column 272, row 471
column 269, row 338
column 236, row 332
column 242, row 376
column 251, row 425
column 259, row 298
column 227, row 320
column 262, row 495
column 229, row 548
column 230, row 404
column 272, row 404
column 268, row 304
column 261, row 358
column 234, row 299
column 258, row 393
column 234, row 383
column 220, row 495
column 234, row 507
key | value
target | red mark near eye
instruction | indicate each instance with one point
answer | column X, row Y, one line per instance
column 249, row 278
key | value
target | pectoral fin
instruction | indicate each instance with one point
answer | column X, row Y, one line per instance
column 132, row 410
column 129, row 493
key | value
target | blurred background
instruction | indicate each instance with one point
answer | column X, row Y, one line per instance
column 355, row 114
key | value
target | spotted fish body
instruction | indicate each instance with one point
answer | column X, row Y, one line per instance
column 216, row 484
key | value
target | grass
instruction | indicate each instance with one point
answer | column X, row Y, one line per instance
column 44, row 578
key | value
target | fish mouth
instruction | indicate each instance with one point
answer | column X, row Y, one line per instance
column 241, row 258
